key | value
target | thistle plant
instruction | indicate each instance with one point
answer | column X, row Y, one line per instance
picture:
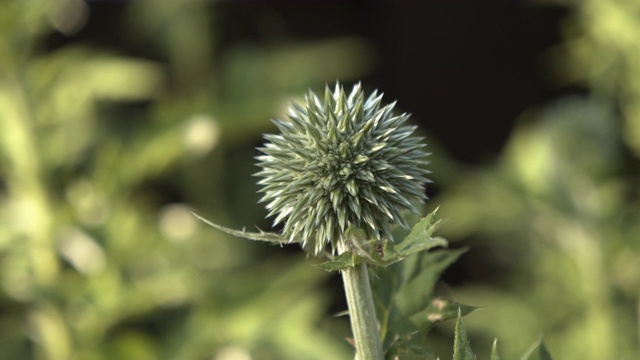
column 339, row 163
column 339, row 176
column 342, row 177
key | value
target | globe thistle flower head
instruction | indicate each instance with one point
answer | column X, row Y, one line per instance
column 344, row 161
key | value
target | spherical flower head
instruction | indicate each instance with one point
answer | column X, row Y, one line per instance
column 339, row 163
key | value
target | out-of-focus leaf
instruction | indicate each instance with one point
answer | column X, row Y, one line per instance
column 560, row 217
column 494, row 350
column 606, row 28
column 538, row 351
column 253, row 72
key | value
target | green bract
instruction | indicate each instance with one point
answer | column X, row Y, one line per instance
column 339, row 163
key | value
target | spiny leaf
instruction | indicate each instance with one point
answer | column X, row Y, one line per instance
column 461, row 345
column 537, row 351
column 419, row 239
column 259, row 236
column 406, row 306
column 416, row 277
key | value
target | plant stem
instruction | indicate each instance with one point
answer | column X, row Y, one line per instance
column 362, row 313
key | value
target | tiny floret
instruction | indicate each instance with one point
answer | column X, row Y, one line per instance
column 341, row 162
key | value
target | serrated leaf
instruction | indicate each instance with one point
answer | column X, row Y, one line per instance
column 537, row 351
column 494, row 350
column 416, row 278
column 341, row 262
column 259, row 236
column 420, row 238
column 461, row 345
column 406, row 306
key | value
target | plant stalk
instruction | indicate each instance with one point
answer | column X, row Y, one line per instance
column 362, row 313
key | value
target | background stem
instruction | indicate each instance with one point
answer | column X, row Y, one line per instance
column 364, row 324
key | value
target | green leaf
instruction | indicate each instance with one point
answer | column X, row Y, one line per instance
column 341, row 262
column 461, row 345
column 406, row 306
column 537, row 351
column 259, row 236
column 420, row 238
column 494, row 350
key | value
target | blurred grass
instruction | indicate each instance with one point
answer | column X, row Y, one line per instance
column 557, row 214
column 102, row 157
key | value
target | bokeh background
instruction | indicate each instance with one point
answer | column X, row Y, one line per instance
column 119, row 117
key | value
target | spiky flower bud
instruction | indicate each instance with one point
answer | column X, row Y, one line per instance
column 339, row 163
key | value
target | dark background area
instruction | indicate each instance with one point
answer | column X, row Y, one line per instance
column 465, row 69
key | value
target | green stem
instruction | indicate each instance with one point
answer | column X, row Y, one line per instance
column 362, row 313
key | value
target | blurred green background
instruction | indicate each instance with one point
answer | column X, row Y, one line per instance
column 118, row 118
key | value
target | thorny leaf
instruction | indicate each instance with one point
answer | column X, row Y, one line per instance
column 382, row 255
column 405, row 302
column 461, row 345
column 257, row 236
